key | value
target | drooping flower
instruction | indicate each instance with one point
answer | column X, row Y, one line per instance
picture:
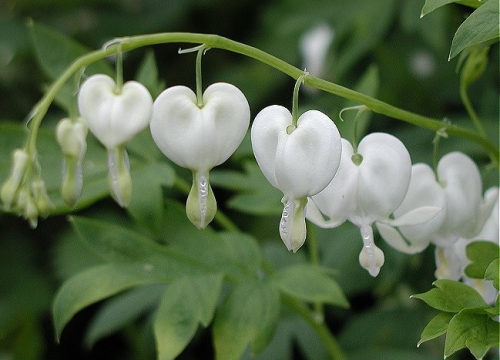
column 314, row 45
column 369, row 186
column 457, row 189
column 115, row 115
column 300, row 161
column 200, row 137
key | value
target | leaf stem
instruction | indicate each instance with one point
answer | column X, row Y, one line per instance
column 215, row 41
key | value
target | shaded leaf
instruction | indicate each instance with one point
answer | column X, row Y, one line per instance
column 98, row 283
column 310, row 283
column 248, row 315
column 121, row 310
column 147, row 75
column 481, row 254
column 255, row 195
column 481, row 26
column 492, row 272
column 186, row 303
column 452, row 296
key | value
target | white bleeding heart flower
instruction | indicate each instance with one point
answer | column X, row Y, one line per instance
column 115, row 115
column 369, row 185
column 200, row 137
column 314, row 45
column 298, row 161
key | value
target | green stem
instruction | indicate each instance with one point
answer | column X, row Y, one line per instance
column 312, row 244
column 119, row 69
column 199, row 86
column 215, row 41
column 470, row 110
column 330, row 342
column 295, row 100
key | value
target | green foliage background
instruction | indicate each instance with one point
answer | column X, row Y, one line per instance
column 377, row 47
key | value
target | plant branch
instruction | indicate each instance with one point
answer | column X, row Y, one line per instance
column 215, row 41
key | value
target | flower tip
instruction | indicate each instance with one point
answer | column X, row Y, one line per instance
column 201, row 205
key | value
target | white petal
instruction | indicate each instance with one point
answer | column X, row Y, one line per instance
column 200, row 138
column 394, row 238
column 416, row 216
column 114, row 118
column 384, row 176
column 338, row 200
column 463, row 188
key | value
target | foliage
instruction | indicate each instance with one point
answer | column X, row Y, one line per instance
column 143, row 282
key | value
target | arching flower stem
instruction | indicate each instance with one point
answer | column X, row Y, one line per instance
column 219, row 42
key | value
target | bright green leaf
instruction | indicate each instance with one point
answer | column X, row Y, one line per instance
column 452, row 296
column 492, row 272
column 481, row 254
column 431, row 5
column 248, row 315
column 255, row 195
column 53, row 62
column 98, row 283
column 309, row 282
column 471, row 329
column 479, row 27
column 436, row 327
column 121, row 310
column 186, row 303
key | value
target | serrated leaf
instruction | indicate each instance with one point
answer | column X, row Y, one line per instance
column 121, row 310
column 481, row 26
column 187, row 302
column 436, row 327
column 452, row 296
column 248, row 315
column 481, row 254
column 472, row 329
column 53, row 62
column 255, row 195
column 431, row 5
column 98, row 283
column 310, row 283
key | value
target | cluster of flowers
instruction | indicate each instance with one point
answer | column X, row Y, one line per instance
column 323, row 177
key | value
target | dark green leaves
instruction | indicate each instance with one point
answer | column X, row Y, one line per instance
column 484, row 256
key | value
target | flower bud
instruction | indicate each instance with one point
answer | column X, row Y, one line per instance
column 40, row 197
column 71, row 137
column 20, row 160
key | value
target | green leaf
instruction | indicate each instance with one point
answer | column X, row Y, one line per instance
column 491, row 272
column 310, row 283
column 147, row 75
column 248, row 315
column 436, row 327
column 147, row 203
column 98, row 283
column 255, row 195
column 121, row 310
column 431, row 5
column 53, row 62
column 113, row 242
column 481, row 26
column 452, row 296
column 186, row 303
column 481, row 254
column 472, row 329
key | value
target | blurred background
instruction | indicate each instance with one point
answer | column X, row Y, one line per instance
column 381, row 48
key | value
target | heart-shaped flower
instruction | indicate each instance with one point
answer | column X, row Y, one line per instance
column 115, row 114
column 298, row 161
column 369, row 185
column 200, row 137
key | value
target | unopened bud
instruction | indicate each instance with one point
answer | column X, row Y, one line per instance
column 119, row 179
column 72, row 183
column 41, row 198
column 31, row 212
column 201, row 205
column 71, row 136
column 20, row 159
